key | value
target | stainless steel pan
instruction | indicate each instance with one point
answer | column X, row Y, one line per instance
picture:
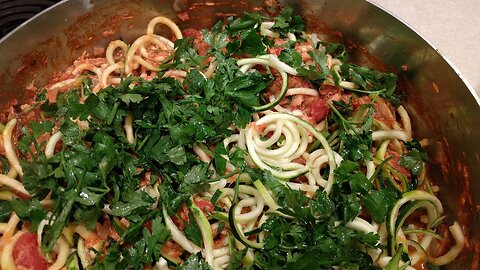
column 442, row 107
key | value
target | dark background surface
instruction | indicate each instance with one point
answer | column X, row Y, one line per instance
column 15, row 12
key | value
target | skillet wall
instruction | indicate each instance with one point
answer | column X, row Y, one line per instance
column 442, row 107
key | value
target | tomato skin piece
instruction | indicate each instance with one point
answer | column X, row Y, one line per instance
column 394, row 163
column 26, row 253
column 319, row 110
column 173, row 249
column 205, row 205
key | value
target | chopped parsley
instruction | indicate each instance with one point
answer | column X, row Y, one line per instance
column 100, row 174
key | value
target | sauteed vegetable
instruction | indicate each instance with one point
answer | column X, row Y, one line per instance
column 250, row 145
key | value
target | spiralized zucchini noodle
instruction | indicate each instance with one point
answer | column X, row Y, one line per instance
column 254, row 144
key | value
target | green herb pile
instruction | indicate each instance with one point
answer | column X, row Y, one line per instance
column 97, row 166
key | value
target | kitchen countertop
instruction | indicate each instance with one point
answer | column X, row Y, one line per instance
column 451, row 26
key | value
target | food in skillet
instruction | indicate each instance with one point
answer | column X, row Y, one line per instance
column 249, row 145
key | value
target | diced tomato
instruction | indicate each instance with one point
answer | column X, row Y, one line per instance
column 27, row 254
column 300, row 160
column 106, row 231
column 180, row 217
column 178, row 222
column 303, row 48
column 103, row 230
column 21, row 195
column 258, row 128
column 145, row 179
column 316, row 107
column 52, row 95
column 201, row 48
column 384, row 112
column 198, row 44
column 205, row 205
column 319, row 110
column 92, row 240
column 221, row 239
column 190, row 32
column 277, row 49
column 274, row 88
column 298, row 82
column 172, row 249
column 329, row 90
column 357, row 101
column 148, row 225
column 182, row 214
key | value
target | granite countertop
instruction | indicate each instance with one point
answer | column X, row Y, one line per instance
column 451, row 26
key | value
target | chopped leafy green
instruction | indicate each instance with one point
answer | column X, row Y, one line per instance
column 216, row 38
column 350, row 186
column 290, row 245
column 135, row 98
column 412, row 161
column 345, row 109
column 371, row 80
column 291, row 57
column 356, row 142
column 246, row 22
column 30, row 210
column 245, row 88
column 194, row 262
column 192, row 230
column 219, row 159
column 238, row 255
column 196, row 179
column 311, row 240
column 98, row 176
column 337, row 50
column 185, row 55
column 415, row 157
column 132, row 201
column 5, row 211
column 39, row 128
column 38, row 179
column 317, row 71
column 356, row 146
column 251, row 43
column 286, row 22
column 378, row 203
